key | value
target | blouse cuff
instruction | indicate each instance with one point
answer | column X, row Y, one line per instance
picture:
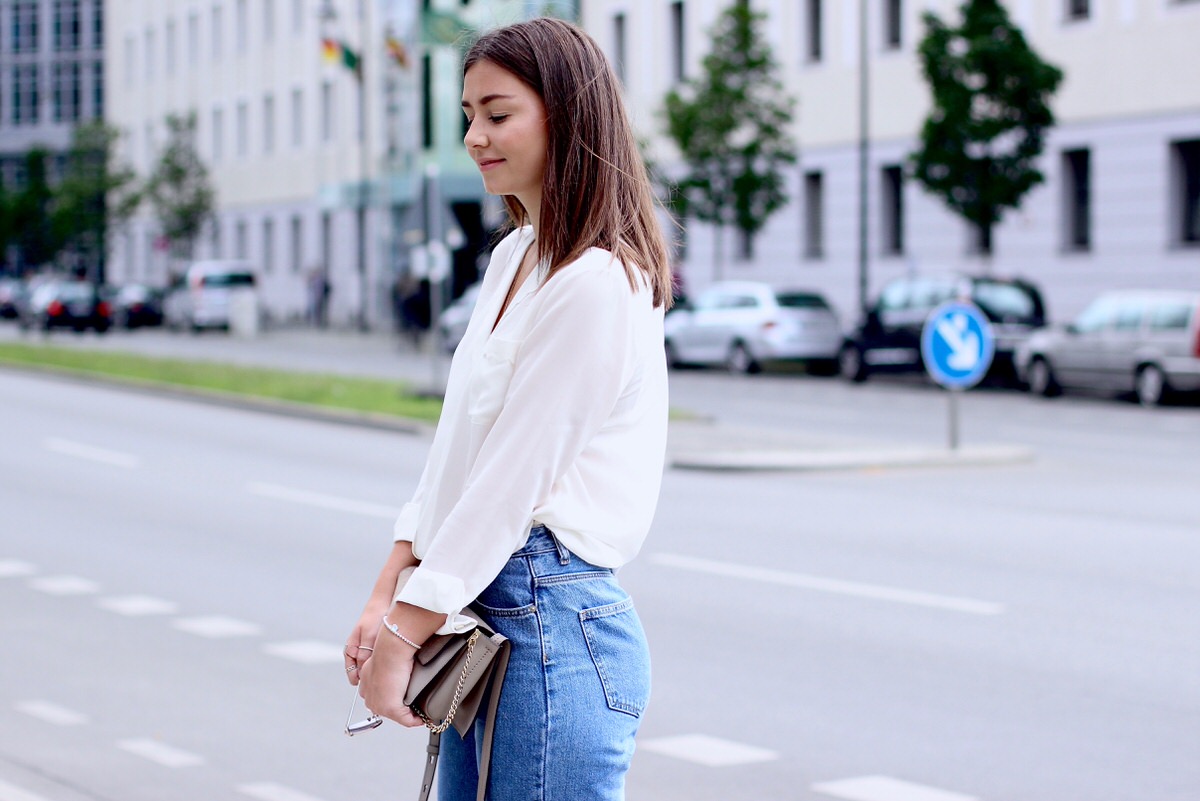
column 438, row 592
column 405, row 528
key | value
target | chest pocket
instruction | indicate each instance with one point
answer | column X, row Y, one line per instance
column 490, row 378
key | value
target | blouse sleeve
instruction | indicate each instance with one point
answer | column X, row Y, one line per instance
column 569, row 373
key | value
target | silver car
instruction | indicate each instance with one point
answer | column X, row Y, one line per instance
column 742, row 324
column 1144, row 342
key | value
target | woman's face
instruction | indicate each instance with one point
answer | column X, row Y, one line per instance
column 507, row 134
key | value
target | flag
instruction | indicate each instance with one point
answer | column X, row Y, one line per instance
column 397, row 51
column 334, row 51
column 331, row 51
column 443, row 27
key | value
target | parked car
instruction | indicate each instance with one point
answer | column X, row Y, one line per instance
column 743, row 324
column 452, row 322
column 208, row 295
column 889, row 337
column 1142, row 342
column 77, row 305
column 12, row 291
column 137, row 306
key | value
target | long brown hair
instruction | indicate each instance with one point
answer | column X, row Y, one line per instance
column 596, row 191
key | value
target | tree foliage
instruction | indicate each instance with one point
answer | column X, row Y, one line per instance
column 34, row 235
column 990, row 111
column 179, row 189
column 730, row 125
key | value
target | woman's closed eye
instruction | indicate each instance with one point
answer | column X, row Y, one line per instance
column 496, row 119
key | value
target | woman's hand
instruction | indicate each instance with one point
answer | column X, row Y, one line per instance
column 383, row 680
column 361, row 642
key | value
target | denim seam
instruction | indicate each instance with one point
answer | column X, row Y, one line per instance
column 606, row 611
column 563, row 578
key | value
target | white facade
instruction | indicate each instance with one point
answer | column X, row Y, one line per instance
column 278, row 128
column 1128, row 110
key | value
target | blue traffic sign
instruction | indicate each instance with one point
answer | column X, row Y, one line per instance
column 957, row 344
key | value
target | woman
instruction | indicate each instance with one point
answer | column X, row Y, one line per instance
column 545, row 468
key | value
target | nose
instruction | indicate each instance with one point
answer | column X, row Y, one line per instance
column 474, row 137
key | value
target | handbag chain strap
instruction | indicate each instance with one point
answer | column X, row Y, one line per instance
column 438, row 728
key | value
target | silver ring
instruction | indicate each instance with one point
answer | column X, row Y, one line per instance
column 365, row 648
column 351, row 668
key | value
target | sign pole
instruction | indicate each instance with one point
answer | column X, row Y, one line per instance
column 957, row 345
column 953, row 394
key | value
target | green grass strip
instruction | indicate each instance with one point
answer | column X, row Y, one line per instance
column 372, row 396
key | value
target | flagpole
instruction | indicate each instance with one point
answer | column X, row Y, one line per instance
column 363, row 168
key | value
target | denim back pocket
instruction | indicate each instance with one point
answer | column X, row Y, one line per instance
column 618, row 646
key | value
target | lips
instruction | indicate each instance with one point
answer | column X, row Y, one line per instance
column 487, row 164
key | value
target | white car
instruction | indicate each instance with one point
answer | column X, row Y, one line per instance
column 742, row 324
column 211, row 294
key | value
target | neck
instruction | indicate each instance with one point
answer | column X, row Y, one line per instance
column 533, row 210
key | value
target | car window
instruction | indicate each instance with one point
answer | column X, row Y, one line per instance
column 1005, row 301
column 930, row 292
column 74, row 292
column 801, row 300
column 1128, row 316
column 227, row 279
column 737, row 302
column 894, row 296
column 1171, row 315
column 1098, row 316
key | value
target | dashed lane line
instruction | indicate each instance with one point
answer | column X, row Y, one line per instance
column 886, row 788
column 269, row 791
column 64, row 585
column 15, row 568
column 309, row 652
column 321, row 500
column 217, row 626
column 91, row 453
column 875, row 592
column 161, row 753
column 712, row 752
column 52, row 713
column 138, row 605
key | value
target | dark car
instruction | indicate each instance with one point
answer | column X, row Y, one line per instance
column 12, row 291
column 66, row 304
column 888, row 340
column 137, row 306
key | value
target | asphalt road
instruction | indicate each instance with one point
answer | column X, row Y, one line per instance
column 176, row 579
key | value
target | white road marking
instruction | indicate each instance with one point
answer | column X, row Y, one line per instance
column 10, row 792
column 216, row 626
column 64, row 585
column 873, row 591
column 711, row 751
column 885, row 788
column 92, row 453
column 268, row 791
column 165, row 755
column 323, row 501
column 138, row 605
column 310, row 652
column 15, row 568
column 52, row 713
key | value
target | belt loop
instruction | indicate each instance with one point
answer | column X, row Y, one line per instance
column 564, row 556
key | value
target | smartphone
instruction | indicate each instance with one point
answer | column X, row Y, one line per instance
column 366, row 724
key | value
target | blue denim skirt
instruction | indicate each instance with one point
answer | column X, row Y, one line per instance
column 578, row 681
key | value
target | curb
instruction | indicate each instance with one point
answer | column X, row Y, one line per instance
column 800, row 460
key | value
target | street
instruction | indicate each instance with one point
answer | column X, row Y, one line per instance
column 177, row 579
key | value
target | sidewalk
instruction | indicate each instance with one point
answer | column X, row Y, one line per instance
column 692, row 444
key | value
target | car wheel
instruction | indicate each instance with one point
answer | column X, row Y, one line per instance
column 672, row 355
column 1041, row 379
column 740, row 360
column 851, row 364
column 1150, row 385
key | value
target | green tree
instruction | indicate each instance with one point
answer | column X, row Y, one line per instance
column 990, row 112
column 31, row 213
column 731, row 126
column 179, row 188
column 95, row 196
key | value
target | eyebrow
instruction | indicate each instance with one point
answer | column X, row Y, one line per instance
column 487, row 99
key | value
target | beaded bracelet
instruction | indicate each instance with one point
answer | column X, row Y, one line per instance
column 394, row 629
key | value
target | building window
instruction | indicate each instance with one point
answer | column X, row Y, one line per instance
column 268, row 245
column 243, row 134
column 241, row 26
column 215, row 242
column 297, row 118
column 241, row 246
column 98, row 25
column 1185, row 180
column 193, row 37
column 169, row 36
column 268, row 20
column 678, row 39
column 148, row 58
column 130, row 57
column 216, row 31
column 25, row 96
column 67, row 96
column 218, row 135
column 327, row 109
column 98, row 89
column 298, row 14
column 297, row 243
column 25, row 27
column 892, row 190
column 67, row 28
column 619, row 51
column 892, row 30
column 426, row 101
column 1077, row 9
column 1077, row 200
column 814, row 215
column 268, row 124
column 326, row 242
column 813, row 50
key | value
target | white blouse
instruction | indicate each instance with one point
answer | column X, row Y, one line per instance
column 559, row 415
